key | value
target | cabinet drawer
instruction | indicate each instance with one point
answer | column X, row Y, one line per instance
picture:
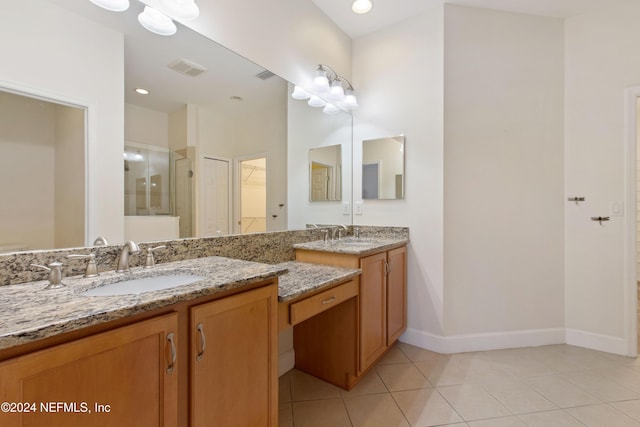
column 309, row 307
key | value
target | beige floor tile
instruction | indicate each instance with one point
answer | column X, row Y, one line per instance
column 393, row 355
column 462, row 370
column 473, row 402
column 285, row 415
column 426, row 407
column 404, row 376
column 602, row 415
column 307, row 387
column 557, row 418
column 417, row 354
column 600, row 386
column 320, row 413
column 370, row 384
column 284, row 388
column 498, row 422
column 376, row 410
column 561, row 392
column 630, row 407
column 519, row 398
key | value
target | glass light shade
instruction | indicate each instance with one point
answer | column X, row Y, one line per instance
column 330, row 109
column 361, row 6
column 350, row 101
column 336, row 93
column 181, row 9
column 300, row 93
column 157, row 22
column 316, row 101
column 112, row 5
column 320, row 81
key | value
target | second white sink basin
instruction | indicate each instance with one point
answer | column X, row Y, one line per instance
column 145, row 284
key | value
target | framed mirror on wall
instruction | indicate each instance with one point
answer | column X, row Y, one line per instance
column 383, row 173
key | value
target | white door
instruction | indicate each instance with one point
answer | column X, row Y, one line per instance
column 216, row 195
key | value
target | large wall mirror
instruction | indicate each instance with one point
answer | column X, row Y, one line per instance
column 209, row 112
column 383, row 168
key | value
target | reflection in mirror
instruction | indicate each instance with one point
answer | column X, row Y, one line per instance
column 383, row 168
column 42, row 152
column 325, row 173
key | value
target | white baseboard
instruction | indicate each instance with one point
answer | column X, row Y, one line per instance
column 286, row 362
column 606, row 343
column 482, row 342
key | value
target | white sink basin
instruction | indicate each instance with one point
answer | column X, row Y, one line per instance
column 145, row 284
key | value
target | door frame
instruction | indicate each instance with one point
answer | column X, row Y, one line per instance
column 237, row 177
column 631, row 96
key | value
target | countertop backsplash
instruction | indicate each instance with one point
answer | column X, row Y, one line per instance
column 268, row 248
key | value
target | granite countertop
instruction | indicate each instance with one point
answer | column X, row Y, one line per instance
column 303, row 278
column 353, row 246
column 29, row 312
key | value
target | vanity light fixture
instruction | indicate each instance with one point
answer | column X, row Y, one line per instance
column 158, row 15
column 300, row 93
column 361, row 6
column 331, row 91
column 316, row 101
column 330, row 109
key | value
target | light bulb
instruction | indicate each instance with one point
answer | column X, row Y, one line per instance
column 316, row 101
column 361, row 6
column 350, row 101
column 336, row 93
column 330, row 109
column 112, row 5
column 300, row 93
column 157, row 22
column 181, row 9
column 320, row 81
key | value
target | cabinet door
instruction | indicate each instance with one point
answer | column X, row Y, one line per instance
column 234, row 371
column 396, row 294
column 115, row 378
column 373, row 309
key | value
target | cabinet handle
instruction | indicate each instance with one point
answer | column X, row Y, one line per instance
column 174, row 355
column 329, row 301
column 203, row 342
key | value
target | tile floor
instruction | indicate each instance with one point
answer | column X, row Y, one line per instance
column 556, row 385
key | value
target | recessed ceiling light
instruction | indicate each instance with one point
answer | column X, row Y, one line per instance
column 361, row 6
column 142, row 91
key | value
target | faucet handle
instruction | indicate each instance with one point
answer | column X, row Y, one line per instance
column 55, row 274
column 150, row 263
column 92, row 268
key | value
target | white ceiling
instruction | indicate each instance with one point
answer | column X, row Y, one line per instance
column 387, row 12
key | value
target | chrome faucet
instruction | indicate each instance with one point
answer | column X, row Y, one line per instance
column 129, row 248
column 339, row 230
column 100, row 241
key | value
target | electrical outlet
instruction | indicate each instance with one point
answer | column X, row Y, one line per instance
column 346, row 208
column 357, row 207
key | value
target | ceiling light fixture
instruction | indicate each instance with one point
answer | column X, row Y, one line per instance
column 158, row 15
column 361, row 6
column 142, row 91
column 329, row 90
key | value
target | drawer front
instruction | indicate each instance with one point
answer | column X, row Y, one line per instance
column 309, row 307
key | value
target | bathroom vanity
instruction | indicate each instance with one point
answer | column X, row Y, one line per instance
column 204, row 352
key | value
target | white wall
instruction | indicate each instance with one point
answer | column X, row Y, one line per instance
column 308, row 128
column 503, row 250
column 146, row 126
column 398, row 73
column 288, row 37
column 601, row 60
column 88, row 70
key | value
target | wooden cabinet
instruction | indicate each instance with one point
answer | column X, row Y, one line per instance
column 206, row 362
column 382, row 297
column 234, row 355
column 108, row 379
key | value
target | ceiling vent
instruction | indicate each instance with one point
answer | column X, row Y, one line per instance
column 189, row 68
column 266, row 74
